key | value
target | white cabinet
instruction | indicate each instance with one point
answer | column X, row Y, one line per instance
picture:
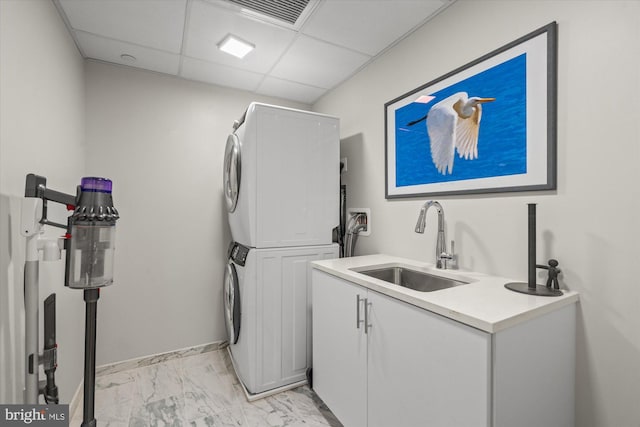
column 411, row 367
column 424, row 366
column 339, row 348
column 405, row 364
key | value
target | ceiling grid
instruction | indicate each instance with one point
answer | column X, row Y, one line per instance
column 303, row 48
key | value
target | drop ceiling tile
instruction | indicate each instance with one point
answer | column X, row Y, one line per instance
column 208, row 24
column 179, row 37
column 222, row 75
column 349, row 23
column 153, row 23
column 315, row 63
column 109, row 50
column 290, row 90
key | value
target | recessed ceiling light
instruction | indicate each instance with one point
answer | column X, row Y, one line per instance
column 235, row 46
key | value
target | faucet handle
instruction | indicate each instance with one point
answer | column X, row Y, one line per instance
column 449, row 260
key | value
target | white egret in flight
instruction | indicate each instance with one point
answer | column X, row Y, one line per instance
column 453, row 123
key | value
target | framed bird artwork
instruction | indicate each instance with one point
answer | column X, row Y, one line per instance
column 486, row 127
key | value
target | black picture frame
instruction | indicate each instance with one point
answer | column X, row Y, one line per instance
column 530, row 140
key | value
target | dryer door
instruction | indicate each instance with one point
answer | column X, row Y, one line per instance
column 232, row 167
column 232, row 303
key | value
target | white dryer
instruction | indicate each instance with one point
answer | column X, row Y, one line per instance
column 281, row 177
column 268, row 314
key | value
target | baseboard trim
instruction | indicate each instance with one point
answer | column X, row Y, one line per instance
column 139, row 362
column 76, row 400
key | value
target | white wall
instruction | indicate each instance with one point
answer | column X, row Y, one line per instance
column 590, row 223
column 161, row 140
column 41, row 131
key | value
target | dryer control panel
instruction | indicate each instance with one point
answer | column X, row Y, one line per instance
column 238, row 253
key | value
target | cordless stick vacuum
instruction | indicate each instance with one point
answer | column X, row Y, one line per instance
column 90, row 251
column 90, row 245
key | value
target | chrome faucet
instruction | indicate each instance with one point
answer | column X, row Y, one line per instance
column 442, row 256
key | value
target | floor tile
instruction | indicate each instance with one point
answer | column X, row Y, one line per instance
column 197, row 389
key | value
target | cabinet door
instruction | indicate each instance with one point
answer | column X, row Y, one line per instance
column 424, row 369
column 339, row 348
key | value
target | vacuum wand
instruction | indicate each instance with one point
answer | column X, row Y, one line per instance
column 91, row 300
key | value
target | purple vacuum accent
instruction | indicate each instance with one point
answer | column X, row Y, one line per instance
column 92, row 183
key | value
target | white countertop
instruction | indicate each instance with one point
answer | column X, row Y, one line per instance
column 483, row 303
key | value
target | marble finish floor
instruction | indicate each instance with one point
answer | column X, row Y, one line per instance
column 197, row 390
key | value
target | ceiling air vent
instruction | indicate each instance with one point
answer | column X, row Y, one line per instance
column 283, row 10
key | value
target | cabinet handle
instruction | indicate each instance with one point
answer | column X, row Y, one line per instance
column 358, row 321
column 367, row 326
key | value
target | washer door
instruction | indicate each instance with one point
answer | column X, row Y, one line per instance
column 232, row 303
column 232, row 168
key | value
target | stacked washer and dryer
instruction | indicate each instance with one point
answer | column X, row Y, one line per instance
column 281, row 185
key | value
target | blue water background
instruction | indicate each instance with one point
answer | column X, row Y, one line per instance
column 502, row 141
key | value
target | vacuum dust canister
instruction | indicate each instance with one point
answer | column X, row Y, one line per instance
column 92, row 230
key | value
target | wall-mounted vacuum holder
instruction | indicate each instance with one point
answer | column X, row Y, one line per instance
column 552, row 288
column 89, row 244
column 33, row 219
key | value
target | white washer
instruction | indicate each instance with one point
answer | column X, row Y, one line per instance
column 270, row 342
column 281, row 177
